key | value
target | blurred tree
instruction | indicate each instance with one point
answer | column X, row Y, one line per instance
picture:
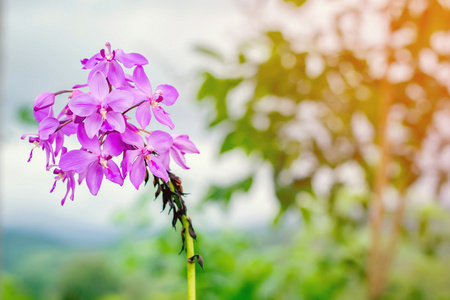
column 87, row 277
column 357, row 110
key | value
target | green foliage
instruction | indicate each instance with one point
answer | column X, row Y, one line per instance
column 225, row 193
column 282, row 263
column 25, row 115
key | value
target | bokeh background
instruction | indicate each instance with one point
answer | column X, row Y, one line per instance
column 323, row 127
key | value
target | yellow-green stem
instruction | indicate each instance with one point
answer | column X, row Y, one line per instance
column 189, row 254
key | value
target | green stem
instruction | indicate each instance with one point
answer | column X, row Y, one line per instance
column 189, row 254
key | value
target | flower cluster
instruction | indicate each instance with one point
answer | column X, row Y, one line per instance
column 105, row 131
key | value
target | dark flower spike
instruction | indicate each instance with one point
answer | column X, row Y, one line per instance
column 191, row 230
column 183, row 240
column 199, row 260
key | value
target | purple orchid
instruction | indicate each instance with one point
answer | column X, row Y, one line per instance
column 108, row 65
column 181, row 145
column 45, row 137
column 105, row 132
column 158, row 142
column 101, row 106
column 95, row 161
column 63, row 176
column 164, row 93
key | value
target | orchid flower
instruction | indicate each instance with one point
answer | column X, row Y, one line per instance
column 108, row 65
column 158, row 142
column 44, row 138
column 181, row 145
column 101, row 106
column 164, row 93
column 95, row 160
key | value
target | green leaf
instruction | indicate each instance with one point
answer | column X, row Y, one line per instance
column 209, row 52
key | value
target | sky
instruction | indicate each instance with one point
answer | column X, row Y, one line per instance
column 42, row 45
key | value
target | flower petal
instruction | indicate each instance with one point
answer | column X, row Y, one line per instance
column 84, row 105
column 119, row 100
column 137, row 172
column 132, row 138
column 94, row 178
column 165, row 160
column 116, row 75
column 130, row 59
column 92, row 61
column 162, row 116
column 117, row 120
column 169, row 94
column 157, row 168
column 102, row 66
column 43, row 113
column 143, row 114
column 91, row 144
column 93, row 124
column 113, row 173
column 47, row 127
column 182, row 142
column 113, row 144
column 141, row 81
column 128, row 160
column 160, row 141
column 178, row 157
column 76, row 160
column 98, row 86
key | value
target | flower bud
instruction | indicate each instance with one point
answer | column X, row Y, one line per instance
column 44, row 100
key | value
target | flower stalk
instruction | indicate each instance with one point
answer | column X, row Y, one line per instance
column 190, row 262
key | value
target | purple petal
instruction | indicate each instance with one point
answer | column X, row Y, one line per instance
column 91, row 144
column 47, row 127
column 137, row 172
column 162, row 116
column 182, row 142
column 143, row 114
column 44, row 100
column 169, row 94
column 43, row 113
column 116, row 120
column 141, row 81
column 160, row 141
column 165, row 160
column 128, row 160
column 77, row 160
column 137, row 95
column 178, row 157
column 113, row 144
column 84, row 105
column 113, row 173
column 94, row 178
column 119, row 100
column 102, row 66
column 92, row 61
column 98, row 86
column 77, row 86
column 157, row 168
column 115, row 74
column 93, row 124
column 69, row 129
column 59, row 142
column 130, row 59
column 132, row 138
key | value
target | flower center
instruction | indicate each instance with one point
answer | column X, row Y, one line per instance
column 103, row 113
column 154, row 104
column 103, row 162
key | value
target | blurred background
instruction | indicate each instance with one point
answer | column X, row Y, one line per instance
column 323, row 128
